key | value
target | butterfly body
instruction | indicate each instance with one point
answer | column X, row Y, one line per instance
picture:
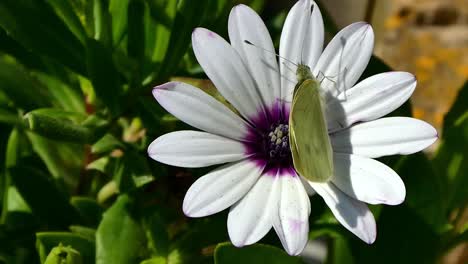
column 308, row 136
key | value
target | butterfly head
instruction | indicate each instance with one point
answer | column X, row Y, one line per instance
column 303, row 73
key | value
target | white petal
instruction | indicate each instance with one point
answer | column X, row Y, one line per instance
column 291, row 222
column 309, row 190
column 226, row 70
column 385, row 136
column 246, row 25
column 301, row 42
column 370, row 99
column 198, row 109
column 220, row 188
column 351, row 213
column 194, row 149
column 250, row 219
column 345, row 58
column 368, row 180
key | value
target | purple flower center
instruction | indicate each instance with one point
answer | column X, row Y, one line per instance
column 267, row 143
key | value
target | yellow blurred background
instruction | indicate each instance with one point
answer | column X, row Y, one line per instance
column 428, row 38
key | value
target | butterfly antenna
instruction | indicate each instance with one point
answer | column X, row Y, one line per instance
column 289, row 68
column 269, row 51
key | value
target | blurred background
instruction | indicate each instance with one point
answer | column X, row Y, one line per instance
column 77, row 114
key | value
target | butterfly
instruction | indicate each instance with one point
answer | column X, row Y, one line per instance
column 310, row 144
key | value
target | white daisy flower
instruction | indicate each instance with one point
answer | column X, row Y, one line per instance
column 258, row 181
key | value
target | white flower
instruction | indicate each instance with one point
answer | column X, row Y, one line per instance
column 258, row 181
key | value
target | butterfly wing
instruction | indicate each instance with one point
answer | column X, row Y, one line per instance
column 308, row 136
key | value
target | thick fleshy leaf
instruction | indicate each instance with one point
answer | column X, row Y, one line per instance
column 301, row 42
column 246, row 25
column 199, row 110
column 291, row 221
column 368, row 180
column 227, row 71
column 385, row 136
column 220, row 188
column 351, row 213
column 370, row 99
column 250, row 219
column 193, row 149
column 117, row 228
column 345, row 58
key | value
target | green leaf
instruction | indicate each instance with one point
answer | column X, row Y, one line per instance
column 119, row 237
column 200, row 234
column 9, row 117
column 189, row 15
column 106, row 144
column 89, row 210
column 458, row 109
column 46, row 241
column 426, row 190
column 155, row 260
column 52, row 124
column 163, row 12
column 156, row 233
column 339, row 251
column 136, row 30
column 65, row 11
column 160, row 13
column 19, row 86
column 118, row 11
column 16, row 148
column 102, row 22
column 63, row 159
column 100, row 164
column 132, row 171
column 64, row 255
column 451, row 160
column 44, row 198
column 15, row 201
column 61, row 94
column 103, row 75
column 50, row 37
column 86, row 232
column 226, row 253
column 403, row 238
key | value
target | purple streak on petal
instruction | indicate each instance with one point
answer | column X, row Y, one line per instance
column 295, row 225
column 168, row 85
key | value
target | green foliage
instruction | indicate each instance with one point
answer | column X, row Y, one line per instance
column 76, row 117
column 225, row 253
